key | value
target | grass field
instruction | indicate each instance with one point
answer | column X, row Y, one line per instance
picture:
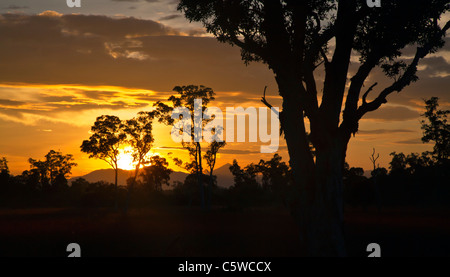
column 189, row 232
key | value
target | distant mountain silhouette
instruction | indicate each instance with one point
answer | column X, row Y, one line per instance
column 106, row 175
column 224, row 176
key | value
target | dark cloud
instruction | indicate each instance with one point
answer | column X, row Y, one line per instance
column 117, row 105
column 51, row 98
column 390, row 113
column 130, row 52
column 384, row 131
column 12, row 113
column 15, row 7
column 7, row 102
column 410, row 141
column 436, row 65
column 126, row 52
column 170, row 17
column 98, row 95
column 117, row 28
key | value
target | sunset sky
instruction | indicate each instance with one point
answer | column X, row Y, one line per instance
column 61, row 67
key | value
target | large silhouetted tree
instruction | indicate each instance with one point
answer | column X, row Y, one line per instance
column 107, row 137
column 293, row 38
column 185, row 98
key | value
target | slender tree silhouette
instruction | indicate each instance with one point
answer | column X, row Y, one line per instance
column 140, row 138
column 211, row 158
column 107, row 137
column 186, row 98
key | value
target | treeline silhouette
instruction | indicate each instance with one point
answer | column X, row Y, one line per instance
column 420, row 180
column 412, row 180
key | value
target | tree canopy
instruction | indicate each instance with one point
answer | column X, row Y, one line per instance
column 436, row 128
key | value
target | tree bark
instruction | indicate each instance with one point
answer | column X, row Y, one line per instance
column 131, row 187
column 318, row 201
column 116, row 206
column 200, row 176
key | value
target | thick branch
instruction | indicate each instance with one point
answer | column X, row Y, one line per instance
column 336, row 72
column 299, row 18
column 249, row 45
column 400, row 84
column 311, row 95
column 278, row 43
column 403, row 81
column 325, row 58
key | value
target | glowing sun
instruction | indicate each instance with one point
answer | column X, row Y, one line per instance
column 125, row 159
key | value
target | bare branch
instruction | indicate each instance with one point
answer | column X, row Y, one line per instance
column 263, row 99
column 367, row 93
column 403, row 81
column 317, row 65
column 374, row 159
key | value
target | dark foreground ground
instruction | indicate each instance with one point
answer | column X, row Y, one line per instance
column 184, row 232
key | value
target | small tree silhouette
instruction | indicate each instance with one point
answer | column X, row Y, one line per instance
column 107, row 137
column 156, row 174
column 140, row 138
column 374, row 174
column 186, row 98
column 54, row 169
column 437, row 129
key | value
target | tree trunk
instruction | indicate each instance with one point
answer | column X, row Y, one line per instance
column 210, row 186
column 317, row 206
column 131, row 187
column 200, row 176
column 116, row 206
column 328, row 215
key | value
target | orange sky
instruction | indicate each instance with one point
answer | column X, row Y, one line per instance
column 59, row 71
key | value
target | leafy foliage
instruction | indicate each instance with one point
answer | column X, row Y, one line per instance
column 436, row 128
column 107, row 137
column 4, row 166
column 156, row 174
column 54, row 169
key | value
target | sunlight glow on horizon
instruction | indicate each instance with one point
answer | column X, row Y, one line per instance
column 126, row 162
